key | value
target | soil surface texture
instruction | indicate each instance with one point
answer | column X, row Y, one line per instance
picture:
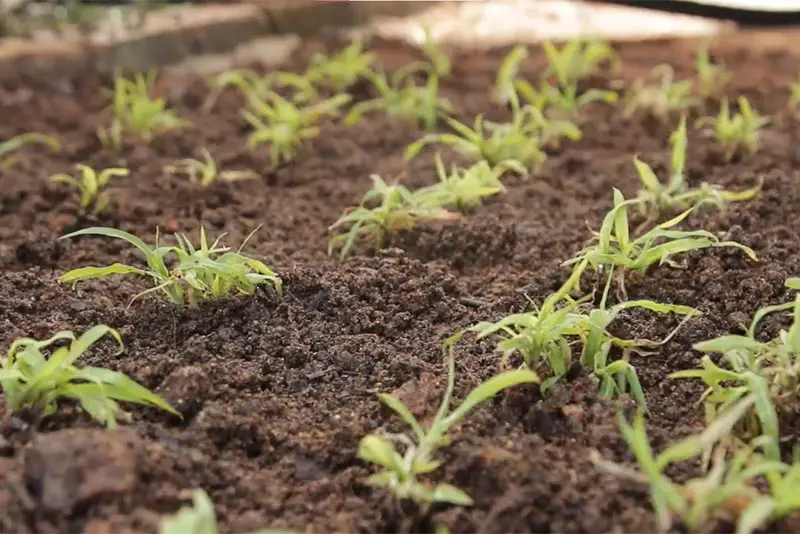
column 276, row 392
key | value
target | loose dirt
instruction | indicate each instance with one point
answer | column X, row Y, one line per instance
column 277, row 392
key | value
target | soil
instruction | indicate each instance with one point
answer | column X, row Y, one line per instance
column 276, row 392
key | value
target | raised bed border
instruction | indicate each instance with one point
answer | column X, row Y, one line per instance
column 174, row 35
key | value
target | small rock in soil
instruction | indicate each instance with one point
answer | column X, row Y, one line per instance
column 68, row 468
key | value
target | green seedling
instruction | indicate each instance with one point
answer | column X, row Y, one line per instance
column 204, row 273
column 398, row 209
column 613, row 247
column 33, row 381
column 340, row 71
column 199, row 518
column 657, row 197
column 285, row 126
column 136, row 111
column 662, row 99
column 767, row 371
column 491, row 142
column 255, row 87
column 544, row 338
column 737, row 132
column 463, row 189
column 577, row 60
column 712, row 79
column 205, row 172
column 437, row 64
column 562, row 100
column 7, row 148
column 399, row 472
column 727, row 492
column 403, row 99
column 505, row 84
column 91, row 186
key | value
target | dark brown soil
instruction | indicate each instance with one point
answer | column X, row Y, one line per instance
column 277, row 392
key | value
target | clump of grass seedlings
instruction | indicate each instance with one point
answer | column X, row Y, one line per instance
column 729, row 489
column 657, row 197
column 517, row 141
column 200, row 518
column 401, row 98
column 397, row 209
column 614, row 248
column 577, row 60
column 399, row 472
column 91, row 186
column 34, row 381
column 286, row 126
column 207, row 272
column 135, row 111
column 341, row 71
column 662, row 99
column 768, row 371
column 712, row 79
column 544, row 339
column 463, row 189
column 254, row 86
column 7, row 148
column 737, row 133
column 205, row 172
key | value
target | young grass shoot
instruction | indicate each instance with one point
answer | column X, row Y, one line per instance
column 662, row 99
column 738, row 132
column 7, row 148
column 614, row 248
column 712, row 78
column 136, row 111
column 91, row 186
column 284, row 126
column 205, row 172
column 656, row 197
column 35, row 375
column 398, row 209
column 399, row 472
column 207, row 272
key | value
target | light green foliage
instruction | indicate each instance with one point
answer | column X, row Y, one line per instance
column 577, row 60
column 517, row 141
column 737, row 132
column 712, row 79
column 545, row 337
column 437, row 64
column 199, row 518
column 399, row 472
column 657, row 197
column 285, row 126
column 7, row 148
column 137, row 112
column 398, row 209
column 255, row 87
column 91, row 186
column 208, row 272
column 613, row 247
column 662, row 99
column 205, row 172
column 505, row 84
column 465, row 188
column 562, row 100
column 340, row 71
column 401, row 98
column 729, row 490
column 32, row 380
column 768, row 371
